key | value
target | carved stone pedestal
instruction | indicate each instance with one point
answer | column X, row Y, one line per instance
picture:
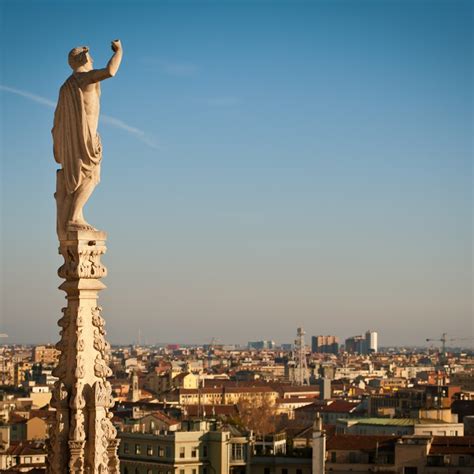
column 83, row 439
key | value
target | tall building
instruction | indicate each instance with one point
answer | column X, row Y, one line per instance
column 356, row 344
column 47, row 355
column 325, row 344
column 261, row 345
column 371, row 341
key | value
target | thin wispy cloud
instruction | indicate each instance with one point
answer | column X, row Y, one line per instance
column 28, row 95
column 173, row 68
column 112, row 121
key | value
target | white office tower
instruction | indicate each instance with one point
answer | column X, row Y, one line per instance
column 371, row 341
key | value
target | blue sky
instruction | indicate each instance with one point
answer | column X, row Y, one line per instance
column 266, row 165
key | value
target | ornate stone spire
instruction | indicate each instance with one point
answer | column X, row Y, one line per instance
column 83, row 438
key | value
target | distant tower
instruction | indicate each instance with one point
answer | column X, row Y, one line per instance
column 325, row 392
column 371, row 341
column 302, row 367
column 134, row 391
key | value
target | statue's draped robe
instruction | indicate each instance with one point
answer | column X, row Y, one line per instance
column 76, row 147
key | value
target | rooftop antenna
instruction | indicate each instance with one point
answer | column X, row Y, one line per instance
column 302, row 367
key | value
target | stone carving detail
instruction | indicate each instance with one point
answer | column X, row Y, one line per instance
column 97, row 320
column 80, row 340
column 83, row 438
column 108, row 429
column 57, row 443
column 79, row 372
column 60, row 396
column 82, row 262
column 101, row 345
column 77, row 401
column 101, row 369
column 65, row 320
column 113, row 458
column 103, row 394
column 60, row 370
column 76, row 459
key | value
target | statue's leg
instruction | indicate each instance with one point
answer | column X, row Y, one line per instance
column 63, row 204
column 79, row 199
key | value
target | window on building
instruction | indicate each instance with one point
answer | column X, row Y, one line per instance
column 410, row 470
column 333, row 456
column 125, row 470
column 204, row 451
column 181, row 471
column 266, row 470
column 168, row 451
column 126, row 449
column 462, row 461
column 161, row 451
column 237, row 451
column 149, row 450
column 194, row 471
column 299, row 471
column 194, row 453
column 204, row 470
column 284, row 471
column 182, row 452
column 138, row 449
column 149, row 471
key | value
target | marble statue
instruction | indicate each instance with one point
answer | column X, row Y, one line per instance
column 77, row 145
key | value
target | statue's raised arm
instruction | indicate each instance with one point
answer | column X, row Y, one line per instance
column 77, row 145
column 90, row 76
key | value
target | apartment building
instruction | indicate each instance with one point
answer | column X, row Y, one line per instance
column 200, row 447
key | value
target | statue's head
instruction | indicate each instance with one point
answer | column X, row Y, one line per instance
column 79, row 57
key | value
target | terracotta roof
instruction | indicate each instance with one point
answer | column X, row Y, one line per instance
column 195, row 391
column 452, row 445
column 248, row 389
column 336, row 406
column 26, row 448
column 181, row 376
column 307, row 400
column 15, row 418
column 210, row 410
column 163, row 417
column 339, row 406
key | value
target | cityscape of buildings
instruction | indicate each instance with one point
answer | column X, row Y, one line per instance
column 266, row 408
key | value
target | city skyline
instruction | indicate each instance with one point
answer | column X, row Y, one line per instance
column 299, row 164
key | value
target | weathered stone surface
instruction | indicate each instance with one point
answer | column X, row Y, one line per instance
column 83, row 439
column 76, row 142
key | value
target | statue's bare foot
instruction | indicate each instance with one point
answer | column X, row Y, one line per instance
column 79, row 224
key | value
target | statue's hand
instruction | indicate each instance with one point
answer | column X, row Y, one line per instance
column 116, row 45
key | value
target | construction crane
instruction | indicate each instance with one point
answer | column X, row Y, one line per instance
column 444, row 339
